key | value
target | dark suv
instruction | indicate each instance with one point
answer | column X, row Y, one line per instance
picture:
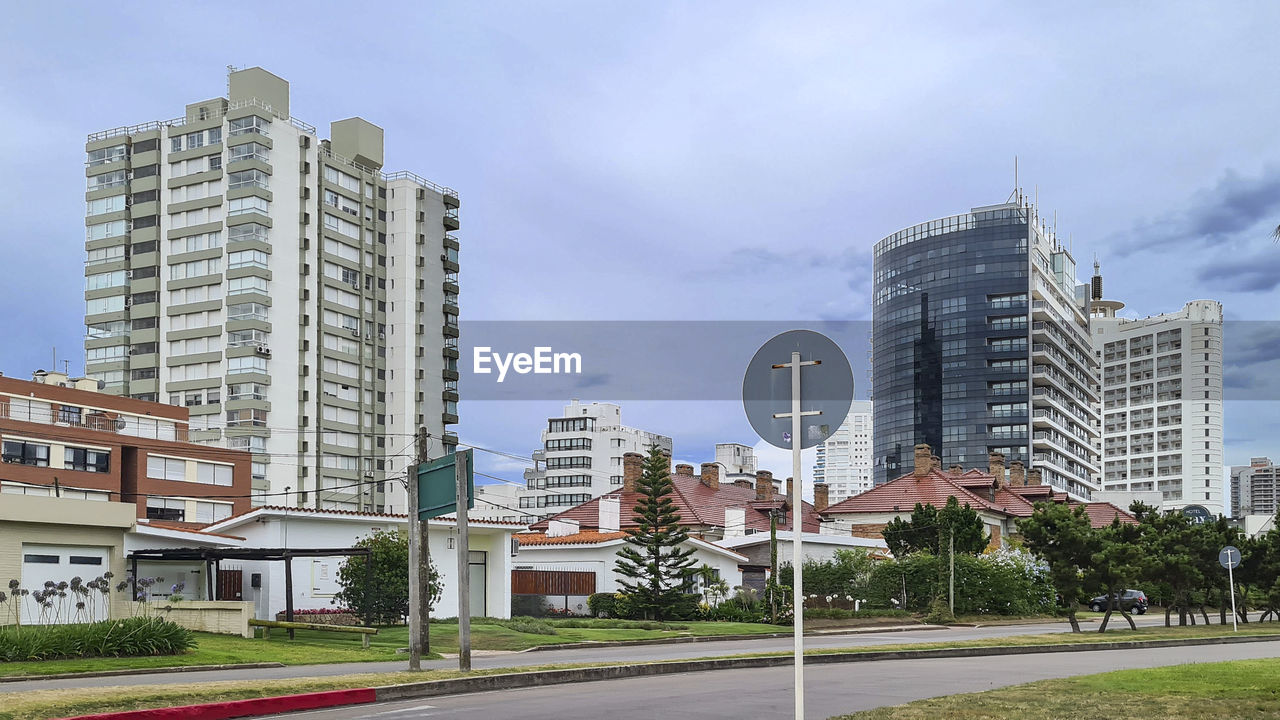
column 1134, row 600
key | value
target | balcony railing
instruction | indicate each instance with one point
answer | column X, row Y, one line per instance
column 132, row 426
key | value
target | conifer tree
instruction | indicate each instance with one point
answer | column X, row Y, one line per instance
column 655, row 565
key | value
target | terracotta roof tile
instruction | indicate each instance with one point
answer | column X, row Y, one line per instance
column 1101, row 514
column 697, row 505
column 901, row 495
column 586, row 537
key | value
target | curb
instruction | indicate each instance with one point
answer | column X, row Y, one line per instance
column 245, row 708
column 713, row 638
column 487, row 683
column 141, row 671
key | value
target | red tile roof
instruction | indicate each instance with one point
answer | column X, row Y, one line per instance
column 973, row 487
column 697, row 505
column 586, row 537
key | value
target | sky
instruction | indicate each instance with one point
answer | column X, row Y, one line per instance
column 708, row 161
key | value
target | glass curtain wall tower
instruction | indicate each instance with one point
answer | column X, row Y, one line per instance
column 980, row 344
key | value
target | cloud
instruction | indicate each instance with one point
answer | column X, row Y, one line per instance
column 1256, row 273
column 1213, row 217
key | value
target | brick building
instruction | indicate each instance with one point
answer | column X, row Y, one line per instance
column 61, row 437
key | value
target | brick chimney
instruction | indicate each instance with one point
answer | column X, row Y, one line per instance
column 924, row 460
column 821, row 496
column 1017, row 474
column 710, row 475
column 632, row 467
column 789, row 488
column 935, row 462
column 764, row 486
column 995, row 465
column 1033, row 477
column 684, row 469
column 956, row 470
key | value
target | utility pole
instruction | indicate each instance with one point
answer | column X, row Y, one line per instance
column 462, row 459
column 773, row 564
column 416, row 546
column 951, row 556
column 424, row 566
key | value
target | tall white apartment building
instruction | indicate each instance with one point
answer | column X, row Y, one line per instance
column 581, row 458
column 737, row 461
column 1161, row 401
column 844, row 460
column 1254, row 488
column 300, row 301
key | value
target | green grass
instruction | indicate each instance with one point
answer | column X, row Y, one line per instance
column 317, row 647
column 1209, row 691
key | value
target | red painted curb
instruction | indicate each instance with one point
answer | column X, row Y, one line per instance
column 244, row 708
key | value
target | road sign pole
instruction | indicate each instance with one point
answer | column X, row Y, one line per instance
column 797, row 526
column 1231, row 583
column 415, row 585
column 464, row 566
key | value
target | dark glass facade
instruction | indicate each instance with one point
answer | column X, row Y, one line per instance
column 950, row 341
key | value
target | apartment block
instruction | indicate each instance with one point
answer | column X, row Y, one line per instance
column 63, row 438
column 843, row 461
column 581, row 458
column 1254, row 488
column 298, row 301
column 1161, row 401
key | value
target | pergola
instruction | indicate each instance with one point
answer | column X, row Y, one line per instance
column 213, row 557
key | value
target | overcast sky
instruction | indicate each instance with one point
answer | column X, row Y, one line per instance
column 703, row 161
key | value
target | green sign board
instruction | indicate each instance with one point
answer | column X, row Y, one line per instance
column 438, row 485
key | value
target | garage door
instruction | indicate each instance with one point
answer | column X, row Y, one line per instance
column 58, row 564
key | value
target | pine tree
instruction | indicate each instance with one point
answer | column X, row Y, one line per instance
column 655, row 564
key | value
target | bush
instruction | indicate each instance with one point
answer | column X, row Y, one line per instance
column 602, row 605
column 131, row 637
column 385, row 600
column 842, row 614
column 1006, row 582
column 939, row 613
column 616, row 624
column 533, row 626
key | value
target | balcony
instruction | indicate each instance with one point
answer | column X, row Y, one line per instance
column 115, row 424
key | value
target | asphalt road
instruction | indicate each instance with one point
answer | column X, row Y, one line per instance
column 640, row 653
column 763, row 694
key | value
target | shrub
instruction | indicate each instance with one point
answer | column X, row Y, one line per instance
column 939, row 613
column 616, row 624
column 842, row 614
column 131, row 637
column 383, row 594
column 1006, row 582
column 602, row 605
column 533, row 626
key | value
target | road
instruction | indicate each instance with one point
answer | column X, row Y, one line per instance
column 641, row 653
column 764, row 694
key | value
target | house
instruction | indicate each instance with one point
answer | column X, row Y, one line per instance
column 1000, row 499
column 314, row 579
column 63, row 438
column 815, row 546
column 560, row 567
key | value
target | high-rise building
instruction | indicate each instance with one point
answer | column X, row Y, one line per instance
column 298, row 300
column 980, row 344
column 1254, row 488
column 581, row 458
column 844, row 459
column 1161, row 401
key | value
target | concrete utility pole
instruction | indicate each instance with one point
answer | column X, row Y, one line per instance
column 464, row 564
column 417, row 611
column 951, row 555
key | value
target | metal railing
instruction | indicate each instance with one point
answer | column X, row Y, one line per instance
column 97, row 420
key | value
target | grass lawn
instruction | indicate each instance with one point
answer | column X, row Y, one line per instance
column 1236, row 689
column 316, row 647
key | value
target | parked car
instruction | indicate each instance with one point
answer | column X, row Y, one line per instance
column 1134, row 600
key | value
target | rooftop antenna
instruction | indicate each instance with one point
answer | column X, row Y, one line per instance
column 1017, row 189
column 66, row 367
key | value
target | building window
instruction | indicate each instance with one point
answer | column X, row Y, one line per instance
column 213, row 474
column 25, row 453
column 166, row 509
column 162, row 468
column 86, row 460
column 250, row 124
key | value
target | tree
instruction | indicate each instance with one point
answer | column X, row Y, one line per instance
column 382, row 592
column 1115, row 564
column 1062, row 537
column 1170, row 549
column 920, row 533
column 655, row 563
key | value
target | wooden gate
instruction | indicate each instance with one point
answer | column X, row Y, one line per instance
column 230, row 585
column 552, row 582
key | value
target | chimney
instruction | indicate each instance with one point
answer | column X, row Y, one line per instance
column 610, row 514
column 684, row 469
column 790, row 487
column 995, row 465
column 1017, row 474
column 924, row 460
column 710, row 475
column 1033, row 477
column 561, row 528
column 743, row 483
column 735, row 521
column 936, row 463
column 764, row 486
column 956, row 470
column 821, row 496
column 632, row 467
